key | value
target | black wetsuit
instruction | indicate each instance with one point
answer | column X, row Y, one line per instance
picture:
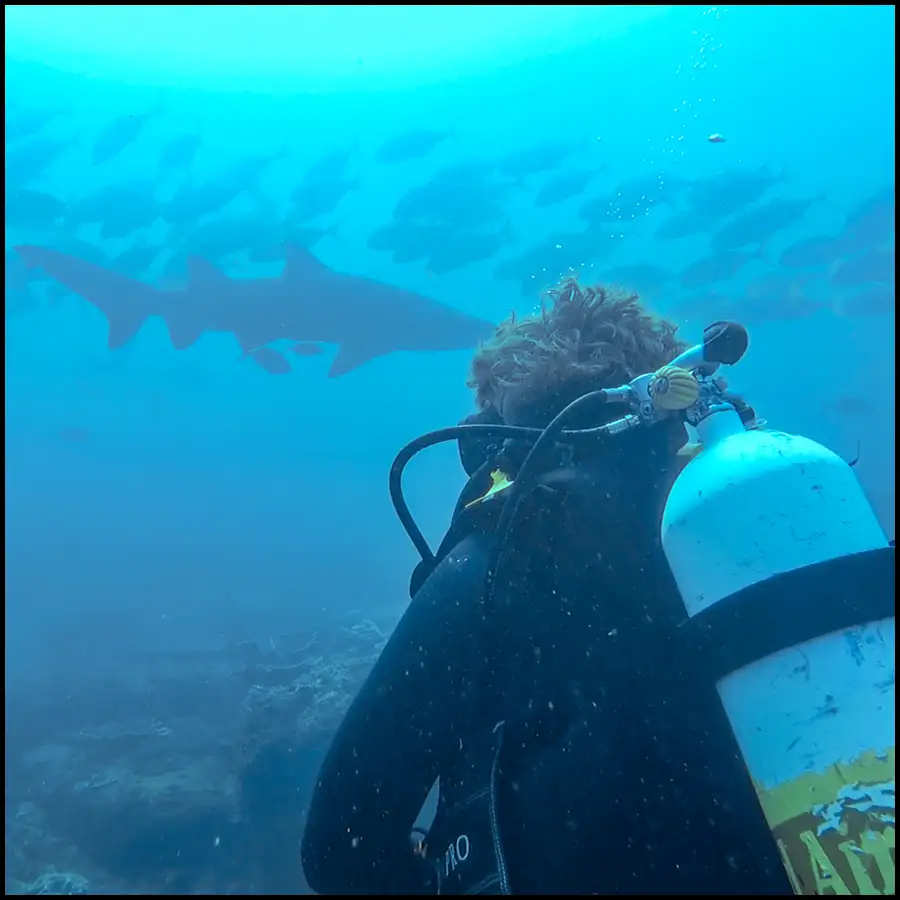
column 617, row 773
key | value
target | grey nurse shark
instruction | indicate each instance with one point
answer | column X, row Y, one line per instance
column 308, row 302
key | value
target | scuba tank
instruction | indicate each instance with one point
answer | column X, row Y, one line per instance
column 787, row 580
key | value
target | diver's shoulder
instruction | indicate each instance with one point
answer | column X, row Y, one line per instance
column 463, row 565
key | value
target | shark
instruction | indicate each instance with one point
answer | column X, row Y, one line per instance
column 308, row 302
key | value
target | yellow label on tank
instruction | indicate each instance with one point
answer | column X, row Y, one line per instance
column 835, row 829
column 499, row 482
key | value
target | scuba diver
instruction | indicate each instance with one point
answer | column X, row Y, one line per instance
column 538, row 674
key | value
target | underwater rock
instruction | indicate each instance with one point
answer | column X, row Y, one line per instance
column 187, row 772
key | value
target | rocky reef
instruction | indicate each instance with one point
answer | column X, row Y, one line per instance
column 177, row 773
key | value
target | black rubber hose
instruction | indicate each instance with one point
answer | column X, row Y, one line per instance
column 452, row 433
column 395, row 479
column 524, row 478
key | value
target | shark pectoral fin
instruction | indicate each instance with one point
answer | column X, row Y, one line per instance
column 300, row 264
column 203, row 274
column 349, row 358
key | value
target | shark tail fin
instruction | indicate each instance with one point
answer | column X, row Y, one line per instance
column 126, row 302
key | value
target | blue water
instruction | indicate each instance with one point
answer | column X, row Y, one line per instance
column 163, row 500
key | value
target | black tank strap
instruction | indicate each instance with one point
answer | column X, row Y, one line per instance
column 790, row 609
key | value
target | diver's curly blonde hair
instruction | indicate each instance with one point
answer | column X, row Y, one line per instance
column 583, row 338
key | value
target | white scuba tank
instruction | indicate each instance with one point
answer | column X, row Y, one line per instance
column 814, row 722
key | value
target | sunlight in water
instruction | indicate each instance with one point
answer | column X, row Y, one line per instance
column 334, row 45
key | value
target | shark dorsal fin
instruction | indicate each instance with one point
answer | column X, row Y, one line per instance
column 202, row 273
column 300, row 263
